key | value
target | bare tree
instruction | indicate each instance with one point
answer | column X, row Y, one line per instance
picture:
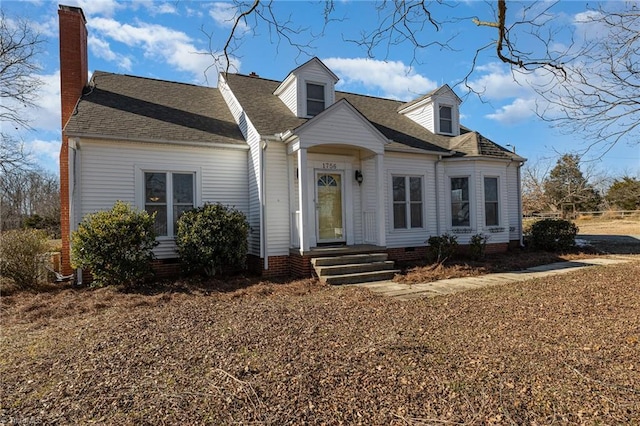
column 591, row 85
column 30, row 194
column 20, row 45
column 600, row 94
column 13, row 155
column 534, row 196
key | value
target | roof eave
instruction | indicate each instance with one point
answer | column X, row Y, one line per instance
column 240, row 146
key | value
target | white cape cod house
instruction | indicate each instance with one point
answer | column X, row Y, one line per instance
column 317, row 171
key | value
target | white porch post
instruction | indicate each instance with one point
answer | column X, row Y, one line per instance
column 380, row 217
column 303, row 199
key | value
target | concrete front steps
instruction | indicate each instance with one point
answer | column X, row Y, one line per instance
column 354, row 268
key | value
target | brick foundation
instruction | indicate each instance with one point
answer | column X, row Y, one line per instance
column 406, row 254
column 279, row 266
column 301, row 265
column 166, row 268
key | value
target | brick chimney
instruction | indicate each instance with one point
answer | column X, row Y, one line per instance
column 74, row 71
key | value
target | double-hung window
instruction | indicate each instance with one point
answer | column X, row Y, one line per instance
column 460, row 201
column 315, row 99
column 168, row 195
column 491, row 216
column 407, row 202
column 446, row 119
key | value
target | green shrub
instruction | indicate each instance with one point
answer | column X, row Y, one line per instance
column 478, row 246
column 212, row 237
column 552, row 235
column 442, row 247
column 115, row 245
column 23, row 256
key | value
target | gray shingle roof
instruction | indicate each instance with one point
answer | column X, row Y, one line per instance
column 123, row 106
column 271, row 116
column 137, row 108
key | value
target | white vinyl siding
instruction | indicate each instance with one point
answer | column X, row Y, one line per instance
column 424, row 116
column 252, row 167
column 512, row 202
column 289, row 95
column 111, row 170
column 277, row 197
column 341, row 125
column 423, row 166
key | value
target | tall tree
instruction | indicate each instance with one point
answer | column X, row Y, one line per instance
column 599, row 92
column 20, row 44
column 567, row 188
column 624, row 193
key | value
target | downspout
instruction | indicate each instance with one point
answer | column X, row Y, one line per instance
column 263, row 205
column 73, row 194
column 520, row 204
column 438, row 228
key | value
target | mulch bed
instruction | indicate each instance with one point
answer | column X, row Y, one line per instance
column 565, row 349
column 514, row 260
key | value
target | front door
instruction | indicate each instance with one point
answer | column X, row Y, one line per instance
column 329, row 207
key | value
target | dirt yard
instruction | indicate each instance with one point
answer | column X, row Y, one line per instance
column 561, row 350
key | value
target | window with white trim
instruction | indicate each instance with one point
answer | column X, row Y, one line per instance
column 460, row 201
column 168, row 194
column 491, row 215
column 315, row 99
column 446, row 119
column 407, row 202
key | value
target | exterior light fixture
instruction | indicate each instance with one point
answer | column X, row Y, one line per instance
column 359, row 177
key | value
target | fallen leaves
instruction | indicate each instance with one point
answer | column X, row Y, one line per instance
column 559, row 350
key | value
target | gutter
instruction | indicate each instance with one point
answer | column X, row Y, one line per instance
column 97, row 136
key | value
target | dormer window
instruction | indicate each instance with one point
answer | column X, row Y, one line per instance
column 446, row 119
column 315, row 99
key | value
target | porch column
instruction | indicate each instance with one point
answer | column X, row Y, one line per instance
column 303, row 197
column 380, row 217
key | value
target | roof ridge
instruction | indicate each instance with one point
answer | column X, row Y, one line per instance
column 152, row 79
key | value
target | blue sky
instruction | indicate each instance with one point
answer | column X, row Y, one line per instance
column 170, row 41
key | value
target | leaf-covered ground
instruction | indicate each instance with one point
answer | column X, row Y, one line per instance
column 564, row 349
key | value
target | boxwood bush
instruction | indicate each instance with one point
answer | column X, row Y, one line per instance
column 211, row 238
column 552, row 235
column 115, row 245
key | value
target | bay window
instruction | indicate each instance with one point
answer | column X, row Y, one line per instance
column 491, row 216
column 460, row 201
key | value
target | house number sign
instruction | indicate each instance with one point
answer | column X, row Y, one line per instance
column 329, row 166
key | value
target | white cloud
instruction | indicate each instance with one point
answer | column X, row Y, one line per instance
column 97, row 7
column 45, row 114
column 391, row 79
column 518, row 111
column 159, row 43
column 500, row 83
column 225, row 15
column 155, row 7
column 102, row 49
column 45, row 153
